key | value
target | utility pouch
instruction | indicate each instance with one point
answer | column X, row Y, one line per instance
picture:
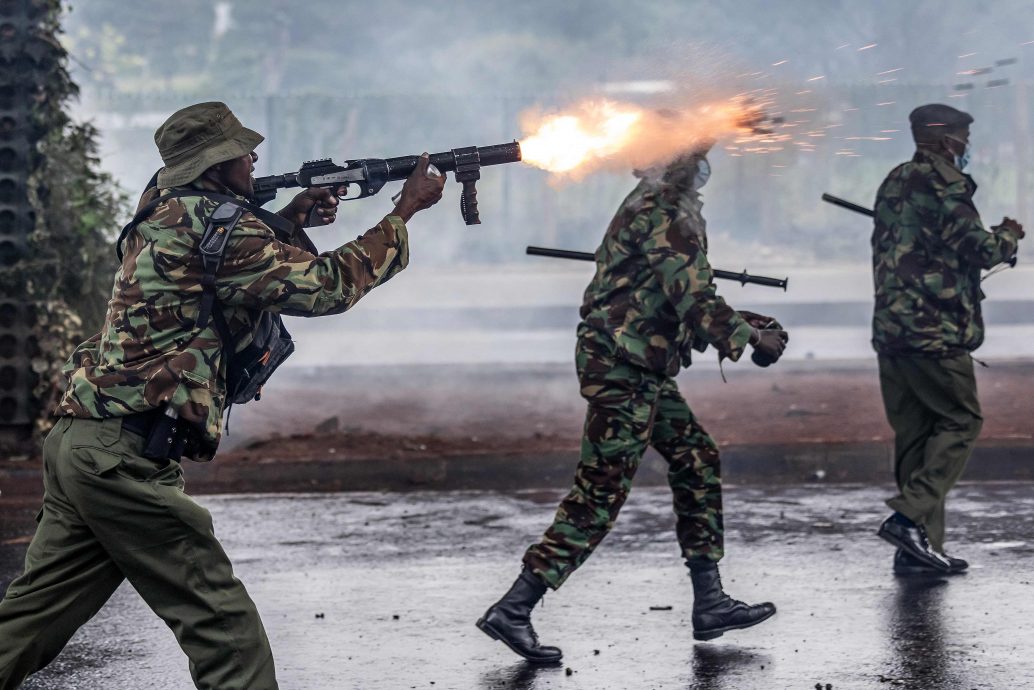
column 166, row 437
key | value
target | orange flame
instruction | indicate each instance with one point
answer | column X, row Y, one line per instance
column 604, row 134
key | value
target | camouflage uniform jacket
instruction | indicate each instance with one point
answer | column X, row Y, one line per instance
column 929, row 247
column 149, row 352
column 653, row 295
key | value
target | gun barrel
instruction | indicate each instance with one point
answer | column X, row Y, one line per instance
column 560, row 253
column 402, row 167
column 742, row 278
column 850, row 206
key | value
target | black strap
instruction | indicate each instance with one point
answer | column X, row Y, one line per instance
column 276, row 222
column 212, row 246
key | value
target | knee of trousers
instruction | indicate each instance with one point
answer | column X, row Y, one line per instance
column 964, row 426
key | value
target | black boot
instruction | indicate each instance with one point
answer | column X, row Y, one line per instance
column 906, row 564
column 714, row 611
column 911, row 538
column 509, row 620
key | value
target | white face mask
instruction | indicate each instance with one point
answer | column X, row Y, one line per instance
column 962, row 161
column 703, row 173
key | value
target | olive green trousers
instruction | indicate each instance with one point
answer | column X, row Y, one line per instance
column 108, row 515
column 932, row 406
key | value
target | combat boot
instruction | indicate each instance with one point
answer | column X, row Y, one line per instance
column 715, row 612
column 906, row 564
column 509, row 620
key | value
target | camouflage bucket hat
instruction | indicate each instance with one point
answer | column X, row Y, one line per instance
column 197, row 137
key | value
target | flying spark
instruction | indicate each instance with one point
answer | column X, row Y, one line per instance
column 871, row 45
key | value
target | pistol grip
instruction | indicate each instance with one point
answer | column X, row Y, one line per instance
column 469, row 203
column 311, row 217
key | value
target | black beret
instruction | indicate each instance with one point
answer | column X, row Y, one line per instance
column 932, row 121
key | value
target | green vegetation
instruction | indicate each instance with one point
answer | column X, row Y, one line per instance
column 68, row 275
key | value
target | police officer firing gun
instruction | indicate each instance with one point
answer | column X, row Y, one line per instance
column 193, row 325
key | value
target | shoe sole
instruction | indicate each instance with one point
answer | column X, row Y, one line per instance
column 705, row 635
column 486, row 628
column 913, row 571
column 905, row 546
column 926, row 572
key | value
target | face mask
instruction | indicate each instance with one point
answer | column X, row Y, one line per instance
column 962, row 161
column 703, row 173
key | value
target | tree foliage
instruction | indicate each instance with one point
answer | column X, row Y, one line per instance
column 68, row 275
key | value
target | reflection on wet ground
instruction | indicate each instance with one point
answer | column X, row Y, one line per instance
column 380, row 591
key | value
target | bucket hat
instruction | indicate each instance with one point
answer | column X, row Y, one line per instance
column 196, row 138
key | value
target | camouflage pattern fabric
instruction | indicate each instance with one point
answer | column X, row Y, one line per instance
column 149, row 352
column 929, row 247
column 629, row 409
column 653, row 294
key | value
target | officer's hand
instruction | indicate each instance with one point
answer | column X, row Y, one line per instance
column 769, row 346
column 420, row 190
column 1012, row 226
column 311, row 207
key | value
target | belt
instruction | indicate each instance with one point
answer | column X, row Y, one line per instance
column 141, row 422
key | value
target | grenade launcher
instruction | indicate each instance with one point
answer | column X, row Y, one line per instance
column 365, row 177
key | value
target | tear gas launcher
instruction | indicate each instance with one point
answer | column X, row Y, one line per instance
column 366, row 176
column 742, row 278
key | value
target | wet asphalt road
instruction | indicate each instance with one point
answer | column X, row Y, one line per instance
column 381, row 591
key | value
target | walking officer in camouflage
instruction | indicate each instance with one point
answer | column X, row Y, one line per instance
column 114, row 506
column 650, row 303
column 929, row 247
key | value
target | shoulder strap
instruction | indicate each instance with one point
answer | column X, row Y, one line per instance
column 275, row 221
column 213, row 244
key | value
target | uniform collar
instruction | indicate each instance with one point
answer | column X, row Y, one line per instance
column 944, row 166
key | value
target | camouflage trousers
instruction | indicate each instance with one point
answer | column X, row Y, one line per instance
column 631, row 408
